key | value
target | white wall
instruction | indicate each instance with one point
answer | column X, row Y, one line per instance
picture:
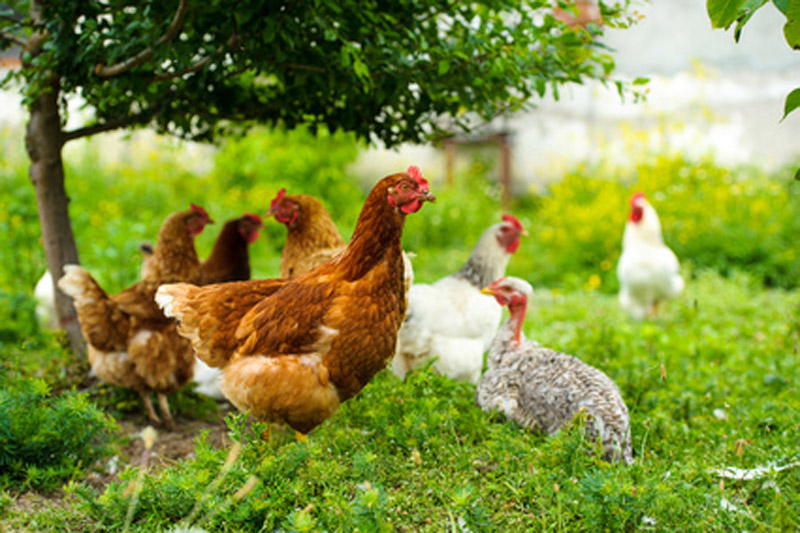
column 708, row 94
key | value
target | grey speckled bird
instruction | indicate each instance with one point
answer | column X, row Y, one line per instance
column 542, row 389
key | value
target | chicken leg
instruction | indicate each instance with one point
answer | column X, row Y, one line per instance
column 162, row 401
column 148, row 406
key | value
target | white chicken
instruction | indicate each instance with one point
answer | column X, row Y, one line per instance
column 648, row 271
column 45, row 298
column 451, row 319
column 542, row 389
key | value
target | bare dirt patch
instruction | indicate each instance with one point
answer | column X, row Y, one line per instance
column 170, row 446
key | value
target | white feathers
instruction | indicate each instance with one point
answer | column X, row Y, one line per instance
column 72, row 283
column 141, row 337
column 207, row 380
column 648, row 271
column 450, row 320
column 44, row 295
column 164, row 300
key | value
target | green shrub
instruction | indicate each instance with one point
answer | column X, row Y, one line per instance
column 711, row 216
column 47, row 439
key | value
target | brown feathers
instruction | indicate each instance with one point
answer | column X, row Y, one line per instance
column 292, row 350
column 131, row 343
column 174, row 258
column 230, row 259
column 312, row 236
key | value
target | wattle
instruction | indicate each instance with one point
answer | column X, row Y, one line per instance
column 412, row 207
column 512, row 246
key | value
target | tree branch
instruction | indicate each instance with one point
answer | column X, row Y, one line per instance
column 133, row 62
column 14, row 20
column 107, row 126
column 19, row 41
column 295, row 66
column 163, row 76
column 232, row 41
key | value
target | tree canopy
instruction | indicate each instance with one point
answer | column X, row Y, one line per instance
column 384, row 70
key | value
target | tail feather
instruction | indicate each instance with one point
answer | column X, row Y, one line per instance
column 103, row 325
column 208, row 316
column 184, row 302
column 79, row 285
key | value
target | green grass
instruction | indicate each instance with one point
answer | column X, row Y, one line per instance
column 712, row 382
column 419, row 455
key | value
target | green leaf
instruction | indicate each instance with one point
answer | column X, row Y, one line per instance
column 792, row 102
column 782, row 5
column 748, row 10
column 791, row 30
column 344, row 56
column 723, row 12
column 797, row 174
column 444, row 67
column 360, row 68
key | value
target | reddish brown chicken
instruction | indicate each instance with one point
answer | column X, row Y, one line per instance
column 230, row 259
column 292, row 350
column 175, row 257
column 312, row 236
column 131, row 343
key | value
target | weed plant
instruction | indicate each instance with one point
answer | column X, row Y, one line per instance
column 46, row 439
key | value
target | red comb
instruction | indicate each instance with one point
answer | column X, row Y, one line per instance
column 416, row 175
column 636, row 196
column 197, row 209
column 514, row 221
column 278, row 198
column 253, row 217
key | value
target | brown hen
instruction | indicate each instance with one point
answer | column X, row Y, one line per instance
column 312, row 236
column 131, row 343
column 230, row 259
column 292, row 350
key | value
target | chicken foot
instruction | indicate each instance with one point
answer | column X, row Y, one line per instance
column 162, row 401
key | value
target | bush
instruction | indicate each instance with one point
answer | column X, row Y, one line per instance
column 712, row 217
column 45, row 440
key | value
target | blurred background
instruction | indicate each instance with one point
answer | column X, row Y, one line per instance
column 706, row 145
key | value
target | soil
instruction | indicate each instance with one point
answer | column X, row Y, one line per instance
column 170, row 447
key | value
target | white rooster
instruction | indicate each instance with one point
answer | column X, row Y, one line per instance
column 542, row 389
column 451, row 319
column 648, row 270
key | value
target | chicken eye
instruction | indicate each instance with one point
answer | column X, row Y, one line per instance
column 404, row 187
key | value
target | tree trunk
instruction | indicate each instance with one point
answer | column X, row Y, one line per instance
column 43, row 140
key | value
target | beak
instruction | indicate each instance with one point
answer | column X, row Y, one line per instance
column 524, row 233
column 210, row 221
column 427, row 196
column 487, row 290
